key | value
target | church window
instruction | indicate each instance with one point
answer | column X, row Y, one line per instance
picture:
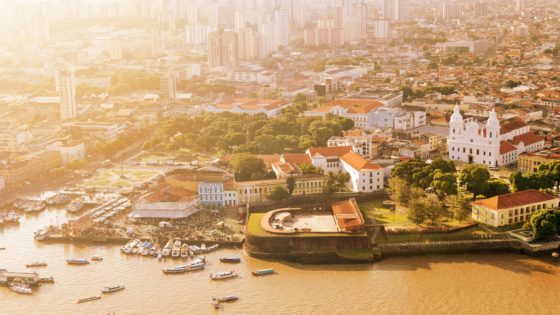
column 477, row 152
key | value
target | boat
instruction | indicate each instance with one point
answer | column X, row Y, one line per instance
column 75, row 206
column 20, row 288
column 176, row 249
column 96, row 258
column 58, row 199
column 77, row 261
column 146, row 248
column 263, row 272
column 184, row 251
column 230, row 259
column 88, row 299
column 112, row 289
column 45, row 280
column 203, row 248
column 227, row 298
column 166, row 249
column 175, row 269
column 11, row 217
column 210, row 248
column 223, row 275
column 194, row 249
column 159, row 256
column 36, row 264
column 2, row 248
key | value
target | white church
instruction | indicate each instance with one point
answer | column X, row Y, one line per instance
column 493, row 143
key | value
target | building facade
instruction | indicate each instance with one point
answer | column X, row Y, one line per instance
column 512, row 208
column 493, row 144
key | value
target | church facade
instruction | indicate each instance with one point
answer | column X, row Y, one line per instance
column 493, row 143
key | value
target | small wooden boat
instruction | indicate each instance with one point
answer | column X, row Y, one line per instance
column 184, row 251
column 20, row 288
column 113, row 289
column 223, row 275
column 263, row 272
column 227, row 298
column 96, row 258
column 175, row 270
column 230, row 259
column 36, row 264
column 77, row 261
column 45, row 280
column 88, row 299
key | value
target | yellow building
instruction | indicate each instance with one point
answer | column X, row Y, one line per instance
column 17, row 172
column 255, row 192
column 512, row 208
column 529, row 162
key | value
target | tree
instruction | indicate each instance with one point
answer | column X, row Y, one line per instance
column 399, row 190
column 278, row 194
column 444, row 184
column 291, row 183
column 307, row 168
column 444, row 166
column 248, row 167
column 474, row 177
column 494, row 188
column 545, row 224
column 335, row 182
column 433, row 208
column 459, row 206
column 416, row 211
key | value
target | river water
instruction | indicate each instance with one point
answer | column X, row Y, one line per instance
column 454, row 284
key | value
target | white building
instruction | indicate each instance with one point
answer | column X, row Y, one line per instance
column 269, row 107
column 359, row 110
column 67, row 91
column 381, row 30
column 365, row 176
column 69, row 152
column 493, row 144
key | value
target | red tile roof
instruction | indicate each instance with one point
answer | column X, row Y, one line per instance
column 511, row 124
column 515, row 199
column 329, row 151
column 251, row 103
column 353, row 106
column 506, row 147
column 348, row 215
column 297, row 159
column 358, row 163
column 527, row 138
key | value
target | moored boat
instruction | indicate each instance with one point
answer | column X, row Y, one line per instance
column 166, row 251
column 91, row 298
column 223, row 275
column 112, row 289
column 230, row 259
column 228, row 298
column 77, row 261
column 175, row 270
column 184, row 251
column 176, row 249
column 263, row 272
column 45, row 280
column 11, row 217
column 96, row 258
column 20, row 288
column 36, row 264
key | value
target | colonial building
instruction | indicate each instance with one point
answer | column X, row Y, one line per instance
column 256, row 192
column 530, row 162
column 269, row 107
column 512, row 208
column 493, row 143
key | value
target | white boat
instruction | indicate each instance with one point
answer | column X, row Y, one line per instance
column 36, row 264
column 146, row 249
column 11, row 217
column 20, row 288
column 166, row 251
column 112, row 289
column 203, row 247
column 176, row 250
column 159, row 256
column 75, row 206
column 184, row 251
column 223, row 275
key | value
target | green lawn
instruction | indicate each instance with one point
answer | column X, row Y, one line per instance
column 472, row 233
column 397, row 219
column 112, row 177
